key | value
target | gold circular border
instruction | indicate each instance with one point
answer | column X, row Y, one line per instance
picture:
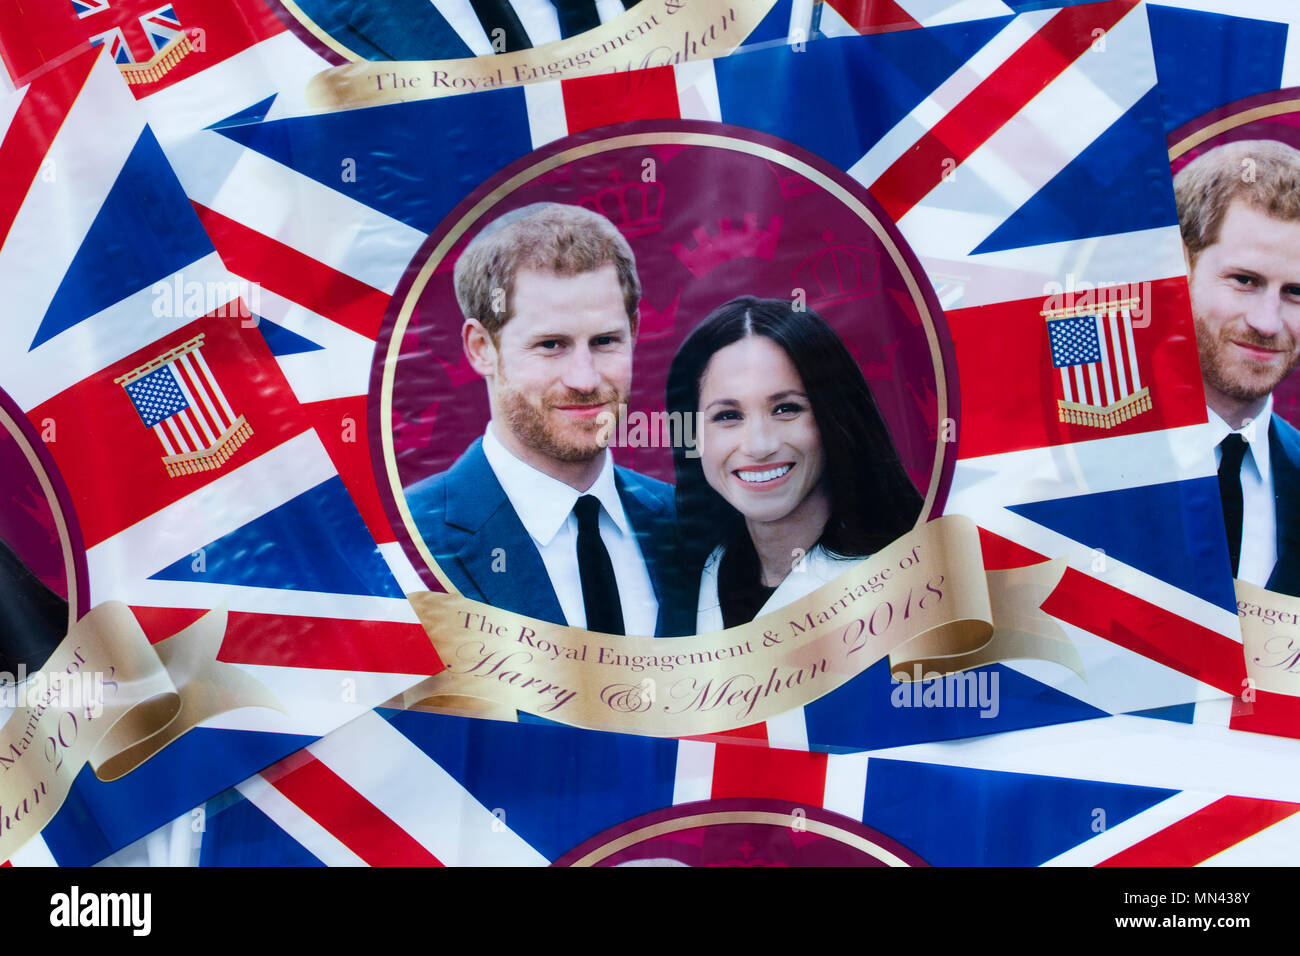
column 720, row 817
column 47, row 486
column 632, row 140
column 1231, row 122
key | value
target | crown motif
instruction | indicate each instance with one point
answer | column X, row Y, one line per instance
column 656, row 322
column 839, row 273
column 790, row 183
column 750, row 242
column 635, row 208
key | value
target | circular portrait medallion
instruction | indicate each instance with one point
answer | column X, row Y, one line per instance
column 43, row 586
column 735, row 320
column 1259, row 139
column 740, row 832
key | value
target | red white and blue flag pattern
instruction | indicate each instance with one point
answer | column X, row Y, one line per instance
column 973, row 93
column 149, row 33
column 957, row 132
column 93, row 228
column 416, row 789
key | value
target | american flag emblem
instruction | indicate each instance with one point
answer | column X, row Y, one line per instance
column 156, row 44
column 1093, row 348
column 176, row 396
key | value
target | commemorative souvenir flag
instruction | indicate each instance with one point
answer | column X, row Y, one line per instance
column 500, row 794
column 1230, row 93
column 189, row 592
column 192, row 63
column 921, row 191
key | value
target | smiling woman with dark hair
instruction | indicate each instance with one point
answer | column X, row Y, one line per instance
column 33, row 619
column 796, row 475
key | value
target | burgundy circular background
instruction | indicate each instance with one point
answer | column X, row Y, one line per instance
column 26, row 520
column 1284, row 128
column 742, row 844
column 716, row 223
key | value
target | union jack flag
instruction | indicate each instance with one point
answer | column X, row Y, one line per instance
column 92, row 218
column 497, row 794
column 1258, row 66
column 153, row 46
column 156, row 29
column 954, row 147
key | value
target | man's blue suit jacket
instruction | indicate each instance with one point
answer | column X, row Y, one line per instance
column 1284, row 460
column 464, row 516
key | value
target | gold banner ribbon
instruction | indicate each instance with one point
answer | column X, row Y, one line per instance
column 109, row 698
column 1270, row 630
column 653, row 33
column 925, row 601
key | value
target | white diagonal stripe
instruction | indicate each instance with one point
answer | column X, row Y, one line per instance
column 421, row 797
column 339, row 369
column 246, row 492
column 1031, row 148
column 290, row 818
column 318, row 221
column 1118, row 575
column 144, row 592
column 1080, row 468
column 280, row 65
column 1126, row 833
column 894, row 144
column 1130, row 258
column 1138, row 751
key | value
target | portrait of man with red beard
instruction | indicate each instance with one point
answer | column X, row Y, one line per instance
column 1239, row 209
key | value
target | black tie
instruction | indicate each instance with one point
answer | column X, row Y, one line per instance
column 1234, row 450
column 599, row 588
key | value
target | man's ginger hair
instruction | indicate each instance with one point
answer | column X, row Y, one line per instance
column 548, row 237
column 1263, row 173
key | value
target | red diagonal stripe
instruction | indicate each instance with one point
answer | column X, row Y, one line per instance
column 1131, row 622
column 874, row 16
column 298, row 277
column 356, row 822
column 1210, row 830
column 794, row 775
column 1024, row 74
column 37, row 121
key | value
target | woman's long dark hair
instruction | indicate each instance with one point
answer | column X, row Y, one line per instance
column 33, row 619
column 872, row 500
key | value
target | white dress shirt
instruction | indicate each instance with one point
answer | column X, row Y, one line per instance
column 1258, row 506
column 545, row 507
